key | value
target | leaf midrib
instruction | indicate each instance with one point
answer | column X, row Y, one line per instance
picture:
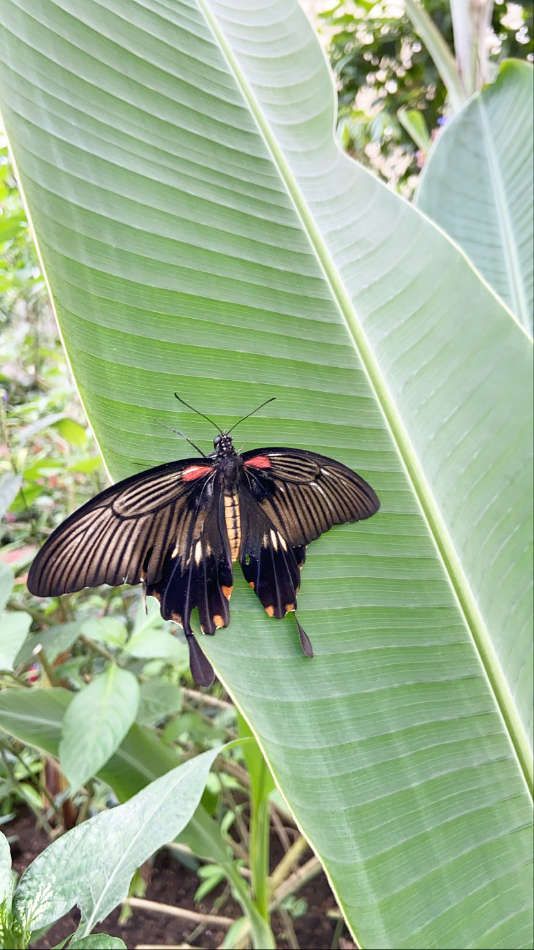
column 466, row 599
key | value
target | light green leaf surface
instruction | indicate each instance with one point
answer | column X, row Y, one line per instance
column 96, row 722
column 478, row 185
column 98, row 942
column 108, row 630
column 91, row 866
column 5, row 870
column 158, row 699
column 6, row 584
column 9, row 486
column 13, row 632
column 201, row 232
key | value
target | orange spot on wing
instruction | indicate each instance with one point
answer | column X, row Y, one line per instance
column 259, row 461
column 195, row 471
column 218, row 620
column 227, row 591
column 270, row 610
column 251, row 584
column 289, row 607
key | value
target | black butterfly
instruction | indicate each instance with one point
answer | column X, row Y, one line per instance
column 178, row 528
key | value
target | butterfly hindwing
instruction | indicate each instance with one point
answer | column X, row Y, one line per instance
column 198, row 571
column 267, row 560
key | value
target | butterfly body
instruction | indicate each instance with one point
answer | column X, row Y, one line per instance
column 179, row 528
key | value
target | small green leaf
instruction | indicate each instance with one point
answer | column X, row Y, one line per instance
column 71, row 431
column 158, row 700
column 13, row 632
column 109, row 630
column 96, row 722
column 92, row 865
column 149, row 642
column 97, row 942
column 9, row 486
column 86, row 465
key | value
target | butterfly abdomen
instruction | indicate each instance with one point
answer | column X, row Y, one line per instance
column 232, row 518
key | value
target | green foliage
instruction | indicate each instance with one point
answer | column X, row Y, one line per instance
column 92, row 865
column 14, row 931
column 483, row 163
column 382, row 69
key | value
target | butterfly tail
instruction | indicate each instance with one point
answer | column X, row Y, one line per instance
column 201, row 668
column 305, row 641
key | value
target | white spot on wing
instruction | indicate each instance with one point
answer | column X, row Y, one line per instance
column 274, row 540
column 198, row 552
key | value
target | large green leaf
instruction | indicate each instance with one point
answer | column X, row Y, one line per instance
column 477, row 185
column 201, row 231
column 96, row 722
column 91, row 866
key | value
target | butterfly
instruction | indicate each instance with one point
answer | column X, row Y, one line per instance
column 178, row 528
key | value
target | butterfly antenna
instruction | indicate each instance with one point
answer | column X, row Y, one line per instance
column 183, row 436
column 251, row 413
column 199, row 413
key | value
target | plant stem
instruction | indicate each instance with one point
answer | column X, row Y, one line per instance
column 259, row 845
column 290, row 858
column 425, row 27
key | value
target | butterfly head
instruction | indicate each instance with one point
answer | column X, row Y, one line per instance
column 223, row 445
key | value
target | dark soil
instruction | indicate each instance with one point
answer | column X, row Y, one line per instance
column 169, row 882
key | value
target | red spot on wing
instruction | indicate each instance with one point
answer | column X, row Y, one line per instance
column 259, row 461
column 195, row 471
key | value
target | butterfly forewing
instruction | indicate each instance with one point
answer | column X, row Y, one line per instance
column 122, row 535
column 305, row 494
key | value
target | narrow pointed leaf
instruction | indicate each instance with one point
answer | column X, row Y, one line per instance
column 91, row 866
column 201, row 232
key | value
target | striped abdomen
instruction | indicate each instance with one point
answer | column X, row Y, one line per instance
column 232, row 519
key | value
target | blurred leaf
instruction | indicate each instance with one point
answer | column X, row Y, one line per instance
column 149, row 642
column 109, row 630
column 34, row 716
column 71, row 431
column 97, row 942
column 10, row 226
column 211, row 876
column 91, row 866
column 86, row 465
column 5, row 870
column 159, row 699
column 478, row 181
column 9, row 486
column 6, row 584
column 54, row 641
column 414, row 122
column 27, row 433
column 25, row 497
column 14, row 628
column 96, row 722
